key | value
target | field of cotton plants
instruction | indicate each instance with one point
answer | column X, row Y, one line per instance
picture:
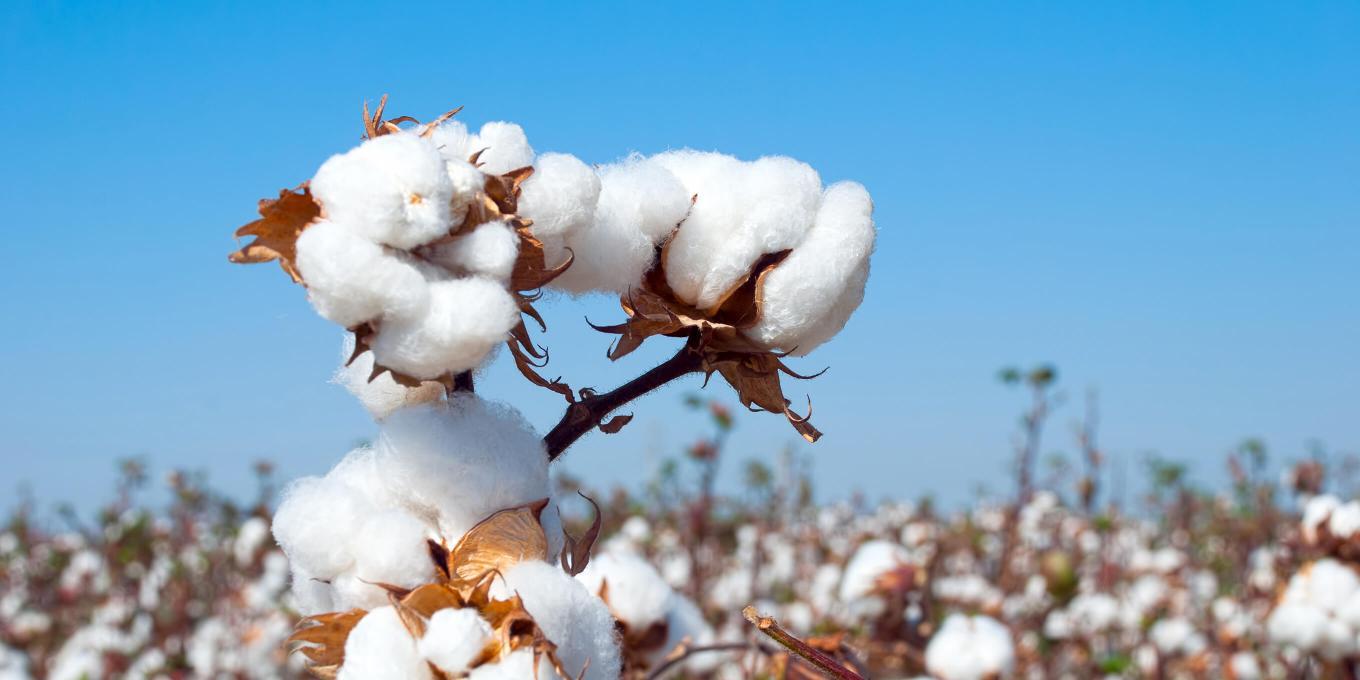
column 449, row 547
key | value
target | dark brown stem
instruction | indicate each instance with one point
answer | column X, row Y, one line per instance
column 586, row 414
column 687, row 652
column 824, row 663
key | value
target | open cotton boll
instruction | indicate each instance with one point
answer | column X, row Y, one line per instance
column 870, row 561
column 1345, row 520
column 314, row 522
column 970, row 648
column 506, row 148
column 454, row 638
column 456, row 463
column 571, row 617
column 381, row 395
column 393, row 190
column 309, row 594
column 517, row 665
column 742, row 212
column 466, row 319
column 640, row 204
column 390, row 547
column 351, row 280
column 380, row 648
column 1315, row 513
column 808, row 298
column 686, row 622
column 468, row 182
column 489, row 250
column 636, row 593
column 560, row 198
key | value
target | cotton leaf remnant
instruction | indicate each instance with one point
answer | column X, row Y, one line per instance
column 281, row 220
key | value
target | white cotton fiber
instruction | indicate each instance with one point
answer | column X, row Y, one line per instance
column 970, row 648
column 468, row 183
column 311, row 595
column 390, row 547
column 571, row 617
column 381, row 395
column 380, row 648
column 560, row 198
column 637, row 594
column 870, row 561
column 456, row 463
column 454, row 638
column 352, row 592
column 466, row 319
column 503, row 145
column 314, row 523
column 809, row 297
column 686, row 622
column 742, row 212
column 640, row 204
column 393, row 190
column 489, row 250
column 351, row 280
column 518, row 665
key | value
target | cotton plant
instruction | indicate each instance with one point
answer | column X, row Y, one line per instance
column 438, row 551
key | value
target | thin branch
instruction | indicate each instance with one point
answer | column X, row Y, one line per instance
column 824, row 663
column 687, row 652
column 587, row 414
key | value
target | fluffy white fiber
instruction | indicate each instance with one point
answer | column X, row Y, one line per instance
column 571, row 617
column 870, row 561
column 488, row 250
column 436, row 470
column 970, row 648
column 466, row 319
column 1319, row 611
column 503, row 145
column 351, row 280
column 392, row 190
column 454, row 638
column 637, row 594
column 381, row 395
column 380, row 648
column 560, row 198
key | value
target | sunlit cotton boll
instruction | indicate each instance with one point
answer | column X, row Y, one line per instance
column 571, row 617
column 489, row 250
column 314, row 524
column 351, row 280
column 466, row 319
column 741, row 212
column 393, row 190
column 809, row 297
column 560, row 198
column 380, row 395
column 460, row 461
column 503, row 146
column 640, row 204
column 970, row 648
column 635, row 591
column 390, row 547
column 870, row 561
column 380, row 648
column 454, row 638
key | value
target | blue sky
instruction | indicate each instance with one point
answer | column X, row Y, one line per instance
column 1161, row 198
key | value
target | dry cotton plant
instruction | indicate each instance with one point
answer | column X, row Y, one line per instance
column 438, row 551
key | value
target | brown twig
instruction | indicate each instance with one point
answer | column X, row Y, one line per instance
column 586, row 414
column 683, row 654
column 824, row 663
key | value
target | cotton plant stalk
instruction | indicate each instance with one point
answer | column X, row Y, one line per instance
column 437, row 551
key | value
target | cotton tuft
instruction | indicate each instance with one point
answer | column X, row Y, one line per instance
column 571, row 617
column 466, row 319
column 454, row 638
column 970, row 648
column 393, row 190
column 560, row 198
column 351, row 280
column 489, row 250
column 380, row 648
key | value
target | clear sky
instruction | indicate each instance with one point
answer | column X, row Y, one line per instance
column 1163, row 198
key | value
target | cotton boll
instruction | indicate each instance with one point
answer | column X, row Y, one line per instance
column 560, row 198
column 466, row 319
column 871, row 560
column 352, row 592
column 381, row 395
column 1298, row 625
column 640, row 204
column 695, row 168
column 314, row 522
column 489, row 250
column 380, row 648
column 359, row 471
column 311, row 595
column 1345, row 520
column 517, row 665
column 571, row 617
column 506, row 148
column 741, row 213
column 809, row 297
column 458, row 462
column 393, row 190
column 454, row 638
column 390, row 547
column 637, row 594
column 970, row 648
column 1316, row 512
column 468, row 182
column 453, row 141
column 351, row 280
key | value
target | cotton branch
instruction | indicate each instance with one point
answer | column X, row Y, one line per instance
column 587, row 414
column 827, row 665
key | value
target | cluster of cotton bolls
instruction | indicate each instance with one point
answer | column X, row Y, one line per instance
column 434, row 471
column 1318, row 613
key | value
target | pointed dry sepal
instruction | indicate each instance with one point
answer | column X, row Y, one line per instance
column 321, row 639
column 576, row 553
column 276, row 233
